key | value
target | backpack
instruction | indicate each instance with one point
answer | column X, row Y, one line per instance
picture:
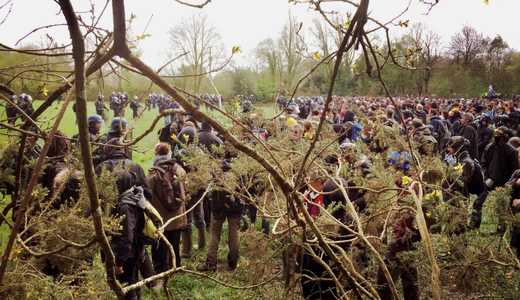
column 166, row 186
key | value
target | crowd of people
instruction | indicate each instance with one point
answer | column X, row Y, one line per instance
column 478, row 137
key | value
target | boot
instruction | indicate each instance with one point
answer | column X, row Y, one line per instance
column 205, row 267
column 475, row 220
column 232, row 263
column 186, row 243
column 202, row 238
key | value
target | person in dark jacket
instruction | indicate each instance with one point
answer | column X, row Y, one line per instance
column 208, row 139
column 454, row 119
column 440, row 131
column 129, row 246
column 11, row 111
column 25, row 102
column 95, row 122
column 472, row 177
column 187, row 136
column 164, row 163
column 420, row 113
column 468, row 131
column 57, row 176
column 115, row 156
column 406, row 235
column 131, row 181
column 224, row 206
column 485, row 134
column 168, row 134
column 117, row 131
column 499, row 159
column 100, row 107
column 135, row 106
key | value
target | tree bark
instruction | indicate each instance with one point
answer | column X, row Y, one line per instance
column 78, row 48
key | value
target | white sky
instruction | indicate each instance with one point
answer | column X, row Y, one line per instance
column 247, row 22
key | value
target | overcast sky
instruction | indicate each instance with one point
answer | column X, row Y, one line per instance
column 247, row 22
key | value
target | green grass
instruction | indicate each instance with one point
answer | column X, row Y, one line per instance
column 143, row 151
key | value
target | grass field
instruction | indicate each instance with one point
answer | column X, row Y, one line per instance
column 143, row 152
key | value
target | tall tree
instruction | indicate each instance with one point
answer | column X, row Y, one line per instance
column 467, row 45
column 425, row 48
column 202, row 43
column 291, row 45
column 269, row 57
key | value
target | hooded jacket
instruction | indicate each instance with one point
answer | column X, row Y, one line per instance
column 470, row 133
column 499, row 162
column 129, row 243
column 471, row 175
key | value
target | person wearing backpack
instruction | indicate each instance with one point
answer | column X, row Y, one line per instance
column 129, row 245
column 472, row 177
column 128, row 175
column 166, row 182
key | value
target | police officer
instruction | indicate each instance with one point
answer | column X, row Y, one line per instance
column 100, row 107
column 11, row 111
column 134, row 106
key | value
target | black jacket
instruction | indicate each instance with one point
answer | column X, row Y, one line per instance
column 470, row 133
column 129, row 243
column 485, row 134
column 499, row 162
column 208, row 139
column 471, row 175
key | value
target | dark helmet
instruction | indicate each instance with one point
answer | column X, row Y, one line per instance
column 458, row 143
column 95, row 119
column 118, row 125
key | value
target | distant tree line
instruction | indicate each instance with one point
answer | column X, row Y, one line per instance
column 464, row 67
